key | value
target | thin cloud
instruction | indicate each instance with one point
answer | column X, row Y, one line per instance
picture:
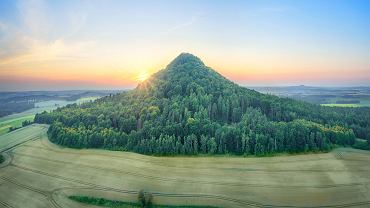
column 188, row 23
column 29, row 42
column 182, row 25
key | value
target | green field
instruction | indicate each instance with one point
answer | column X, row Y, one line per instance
column 363, row 103
column 42, row 175
column 342, row 105
column 15, row 120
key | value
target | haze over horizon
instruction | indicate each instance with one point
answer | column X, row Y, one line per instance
column 62, row 45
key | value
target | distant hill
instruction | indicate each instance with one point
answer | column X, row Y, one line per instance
column 322, row 95
column 188, row 108
column 16, row 102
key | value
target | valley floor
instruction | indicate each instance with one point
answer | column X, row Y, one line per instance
column 37, row 173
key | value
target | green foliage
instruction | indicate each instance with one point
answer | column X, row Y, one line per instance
column 189, row 108
column 361, row 144
column 103, row 202
column 145, row 199
column 121, row 204
column 26, row 123
column 2, row 159
column 13, row 128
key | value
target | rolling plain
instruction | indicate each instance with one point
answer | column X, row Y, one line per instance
column 37, row 173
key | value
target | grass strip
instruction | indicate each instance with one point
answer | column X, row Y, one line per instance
column 122, row 204
column 2, row 159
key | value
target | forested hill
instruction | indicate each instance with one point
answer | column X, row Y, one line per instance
column 188, row 108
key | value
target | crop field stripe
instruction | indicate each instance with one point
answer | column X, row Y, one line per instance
column 17, row 143
column 13, row 144
column 53, row 202
column 33, row 189
column 53, row 175
column 5, row 205
column 192, row 181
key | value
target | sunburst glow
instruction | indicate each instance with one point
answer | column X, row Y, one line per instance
column 142, row 76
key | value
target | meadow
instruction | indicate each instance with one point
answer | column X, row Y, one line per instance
column 15, row 120
column 348, row 105
column 361, row 103
column 37, row 173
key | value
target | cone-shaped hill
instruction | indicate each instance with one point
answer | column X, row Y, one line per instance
column 188, row 108
column 185, row 75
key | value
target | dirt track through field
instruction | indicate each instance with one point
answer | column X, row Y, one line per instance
column 38, row 173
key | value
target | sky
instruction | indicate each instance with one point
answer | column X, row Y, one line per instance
column 106, row 44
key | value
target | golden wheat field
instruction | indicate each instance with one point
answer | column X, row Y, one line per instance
column 37, row 173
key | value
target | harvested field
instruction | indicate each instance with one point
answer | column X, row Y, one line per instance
column 39, row 174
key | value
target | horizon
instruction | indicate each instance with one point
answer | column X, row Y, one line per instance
column 114, row 45
column 127, row 89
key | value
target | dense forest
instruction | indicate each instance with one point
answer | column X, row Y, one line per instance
column 188, row 108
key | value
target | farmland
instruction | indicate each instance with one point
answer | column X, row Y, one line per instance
column 16, row 119
column 41, row 174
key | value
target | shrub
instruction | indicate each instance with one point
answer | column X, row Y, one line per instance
column 2, row 158
column 145, row 198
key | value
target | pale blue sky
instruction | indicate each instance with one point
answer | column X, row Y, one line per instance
column 74, row 44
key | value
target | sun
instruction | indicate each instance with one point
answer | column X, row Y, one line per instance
column 142, row 76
